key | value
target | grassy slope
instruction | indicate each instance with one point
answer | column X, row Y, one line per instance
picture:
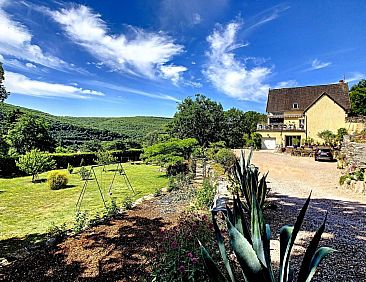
column 132, row 126
column 27, row 208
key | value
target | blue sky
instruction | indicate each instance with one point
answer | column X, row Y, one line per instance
column 128, row 58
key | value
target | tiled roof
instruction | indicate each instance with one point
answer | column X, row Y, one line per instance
column 280, row 100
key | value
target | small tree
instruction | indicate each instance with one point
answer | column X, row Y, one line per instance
column 341, row 132
column 35, row 162
column 3, row 93
column 328, row 136
column 105, row 157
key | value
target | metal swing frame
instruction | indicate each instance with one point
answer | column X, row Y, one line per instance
column 119, row 169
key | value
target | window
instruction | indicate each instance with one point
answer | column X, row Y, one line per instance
column 295, row 105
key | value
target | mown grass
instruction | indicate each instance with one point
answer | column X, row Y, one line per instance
column 29, row 209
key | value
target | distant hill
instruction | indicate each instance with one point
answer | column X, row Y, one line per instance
column 106, row 128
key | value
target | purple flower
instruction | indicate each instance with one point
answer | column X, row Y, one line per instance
column 181, row 268
column 194, row 260
column 174, row 245
column 190, row 255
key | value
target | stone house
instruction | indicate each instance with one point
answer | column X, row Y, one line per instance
column 297, row 113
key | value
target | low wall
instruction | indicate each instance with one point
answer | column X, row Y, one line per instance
column 355, row 152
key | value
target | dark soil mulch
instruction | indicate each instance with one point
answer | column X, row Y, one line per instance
column 120, row 250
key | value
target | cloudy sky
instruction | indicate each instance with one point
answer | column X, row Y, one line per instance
column 127, row 58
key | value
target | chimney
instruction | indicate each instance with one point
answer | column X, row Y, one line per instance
column 344, row 85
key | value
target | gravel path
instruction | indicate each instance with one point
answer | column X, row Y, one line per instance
column 291, row 179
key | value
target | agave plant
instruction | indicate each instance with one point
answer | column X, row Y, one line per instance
column 246, row 177
column 252, row 248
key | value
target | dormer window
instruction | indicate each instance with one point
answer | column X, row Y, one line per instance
column 295, row 105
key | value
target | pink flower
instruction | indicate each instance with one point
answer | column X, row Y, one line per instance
column 181, row 268
column 174, row 245
column 194, row 260
column 190, row 255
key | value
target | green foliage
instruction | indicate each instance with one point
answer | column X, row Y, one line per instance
column 157, row 192
column 112, row 208
column 245, row 178
column 35, row 162
column 205, row 195
column 57, row 179
column 170, row 152
column 30, row 133
column 114, row 145
column 74, row 159
column 225, row 157
column 3, row 93
column 70, row 168
column 84, row 173
column 201, row 119
column 341, row 132
column 358, row 98
column 127, row 203
column 76, row 130
column 328, row 136
column 178, row 249
column 253, row 140
column 251, row 247
column 105, row 157
column 81, row 222
column 179, row 181
column 234, row 127
column 155, row 137
column 213, row 148
column 8, row 166
column 57, row 231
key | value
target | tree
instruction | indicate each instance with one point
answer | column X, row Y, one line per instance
column 251, row 119
column 3, row 93
column 35, row 162
column 341, row 132
column 358, row 98
column 30, row 133
column 235, row 125
column 201, row 118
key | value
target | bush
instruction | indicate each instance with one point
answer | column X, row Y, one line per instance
column 70, row 168
column 127, row 203
column 57, row 179
column 84, row 173
column 225, row 157
column 8, row 167
column 205, row 195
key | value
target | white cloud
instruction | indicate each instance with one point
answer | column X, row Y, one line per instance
column 286, row 84
column 173, row 72
column 139, row 53
column 20, row 84
column 30, row 65
column 125, row 89
column 355, row 76
column 196, row 18
column 317, row 64
column 16, row 41
column 230, row 75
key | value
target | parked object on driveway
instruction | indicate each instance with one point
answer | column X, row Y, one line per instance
column 324, row 154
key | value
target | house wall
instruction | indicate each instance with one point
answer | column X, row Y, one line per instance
column 280, row 136
column 324, row 115
column 353, row 127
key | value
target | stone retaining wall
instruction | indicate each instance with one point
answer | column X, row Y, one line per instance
column 355, row 152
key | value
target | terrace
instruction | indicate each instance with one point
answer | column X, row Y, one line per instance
column 280, row 127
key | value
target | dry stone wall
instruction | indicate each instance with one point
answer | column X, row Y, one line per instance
column 355, row 152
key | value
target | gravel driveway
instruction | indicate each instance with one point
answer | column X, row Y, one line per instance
column 291, row 179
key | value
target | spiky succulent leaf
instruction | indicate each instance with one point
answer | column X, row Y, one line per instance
column 211, row 268
column 220, row 242
column 320, row 254
column 284, row 272
column 245, row 254
column 310, row 251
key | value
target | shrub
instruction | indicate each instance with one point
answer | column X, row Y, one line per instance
column 225, row 157
column 127, row 203
column 157, row 192
column 35, row 162
column 105, row 157
column 8, row 166
column 205, row 195
column 84, row 173
column 57, row 179
column 112, row 208
column 70, row 168
column 81, row 220
column 180, row 181
column 343, row 179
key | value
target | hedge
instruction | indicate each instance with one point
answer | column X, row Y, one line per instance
column 8, row 167
column 8, row 164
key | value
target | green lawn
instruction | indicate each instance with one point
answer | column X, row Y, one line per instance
column 27, row 208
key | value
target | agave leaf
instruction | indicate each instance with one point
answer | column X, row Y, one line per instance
column 317, row 258
column 220, row 242
column 257, row 230
column 310, row 251
column 285, row 235
column 284, row 272
column 249, row 157
column 267, row 251
column 241, row 220
column 245, row 254
column 211, row 268
column 230, row 214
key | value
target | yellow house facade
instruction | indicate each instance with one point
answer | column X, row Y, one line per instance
column 296, row 115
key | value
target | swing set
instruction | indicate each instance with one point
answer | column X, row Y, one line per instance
column 119, row 169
